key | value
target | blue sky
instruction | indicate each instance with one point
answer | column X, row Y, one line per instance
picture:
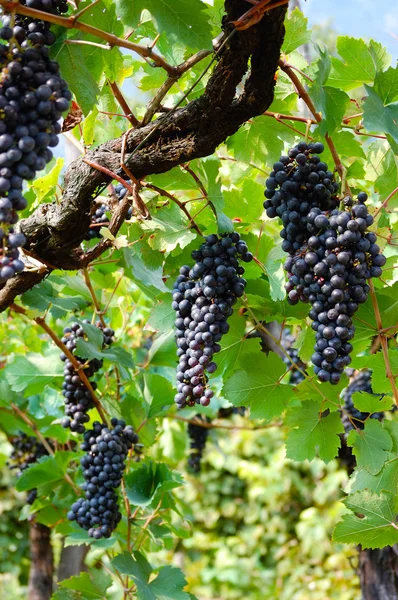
column 376, row 19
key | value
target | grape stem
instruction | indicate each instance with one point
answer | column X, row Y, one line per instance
column 181, row 205
column 383, row 341
column 76, row 365
column 128, row 113
column 386, row 201
column 213, row 425
column 303, row 94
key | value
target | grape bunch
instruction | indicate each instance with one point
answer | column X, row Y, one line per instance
column 78, row 399
column 298, row 183
column 197, row 436
column 121, row 191
column 38, row 31
column 98, row 219
column 33, row 98
column 103, row 466
column 331, row 260
column 361, row 381
column 287, row 342
column 203, row 298
column 26, row 451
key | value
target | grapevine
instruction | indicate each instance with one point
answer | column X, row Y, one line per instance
column 331, row 252
column 203, row 298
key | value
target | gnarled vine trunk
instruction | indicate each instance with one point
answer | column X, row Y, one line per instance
column 379, row 573
column 42, row 562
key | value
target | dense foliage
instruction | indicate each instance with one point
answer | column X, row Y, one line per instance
column 145, row 461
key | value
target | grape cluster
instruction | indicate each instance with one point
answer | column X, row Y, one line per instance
column 78, row 399
column 38, row 31
column 361, row 381
column 331, row 253
column 26, row 451
column 103, row 465
column 298, row 183
column 32, row 99
column 203, row 298
column 121, row 191
column 98, row 219
column 287, row 342
column 198, row 436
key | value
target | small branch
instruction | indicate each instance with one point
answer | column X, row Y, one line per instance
column 123, row 104
column 280, row 117
column 201, row 187
column 386, row 201
column 383, row 341
column 42, row 439
column 303, row 94
column 72, row 23
column 76, row 365
column 87, row 280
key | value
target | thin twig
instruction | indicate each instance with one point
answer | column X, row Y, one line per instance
column 386, row 201
column 128, row 113
column 213, row 425
column 90, row 288
column 72, row 23
column 167, row 194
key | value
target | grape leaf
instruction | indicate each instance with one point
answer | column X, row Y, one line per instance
column 258, row 386
column 147, row 276
column 30, row 373
column 359, row 63
column 312, row 434
column 180, row 21
column 48, row 469
column 234, row 344
column 386, row 480
column 370, row 403
column 375, row 527
column 380, row 117
column 170, row 229
column 168, row 585
column 370, row 445
column 158, row 394
column 92, row 585
column 150, row 481
column 305, row 343
column 297, row 33
column 386, row 85
column 162, row 316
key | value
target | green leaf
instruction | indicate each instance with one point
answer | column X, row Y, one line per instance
column 258, row 386
column 359, row 63
column 386, row 85
column 45, row 186
column 181, row 21
column 388, row 177
column 305, row 343
column 80, row 78
column 162, row 316
column 149, row 482
column 370, row 445
column 386, row 480
column 30, row 373
column 312, row 434
column 373, row 524
column 380, row 117
column 275, row 273
column 147, row 276
column 168, row 585
column 47, row 470
column 234, row 344
column 158, row 394
column 297, row 33
column 91, row 586
column 171, row 229
column 370, row 403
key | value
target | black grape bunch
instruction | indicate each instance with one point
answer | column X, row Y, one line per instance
column 33, row 97
column 78, row 399
column 360, row 381
column 331, row 253
column 98, row 219
column 100, row 216
column 203, row 298
column 197, row 442
column 103, row 466
column 26, row 451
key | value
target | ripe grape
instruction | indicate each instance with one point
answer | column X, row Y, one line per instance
column 26, row 451
column 78, row 399
column 203, row 298
column 197, row 436
column 103, row 466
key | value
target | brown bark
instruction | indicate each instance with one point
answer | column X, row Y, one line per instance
column 55, row 231
column 379, row 573
column 42, row 562
column 72, row 561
